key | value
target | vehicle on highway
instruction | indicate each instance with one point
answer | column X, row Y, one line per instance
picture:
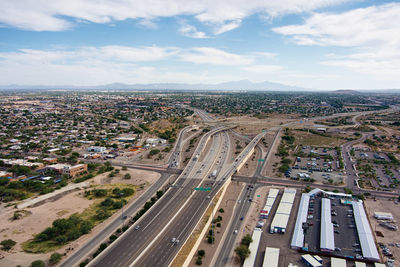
column 235, row 232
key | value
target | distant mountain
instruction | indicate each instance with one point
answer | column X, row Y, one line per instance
column 242, row 85
column 346, row 91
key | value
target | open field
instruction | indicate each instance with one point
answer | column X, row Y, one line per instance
column 42, row 216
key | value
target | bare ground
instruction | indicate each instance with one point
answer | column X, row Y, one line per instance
column 389, row 236
column 40, row 217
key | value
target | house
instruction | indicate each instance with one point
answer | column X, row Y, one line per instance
column 97, row 149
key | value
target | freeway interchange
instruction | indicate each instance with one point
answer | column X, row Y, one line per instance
column 173, row 218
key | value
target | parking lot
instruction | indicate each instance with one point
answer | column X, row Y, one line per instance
column 322, row 177
column 369, row 155
column 345, row 232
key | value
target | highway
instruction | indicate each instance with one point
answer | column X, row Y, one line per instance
column 133, row 246
column 131, row 210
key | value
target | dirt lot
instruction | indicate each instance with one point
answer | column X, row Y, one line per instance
column 389, row 236
column 227, row 203
column 40, row 217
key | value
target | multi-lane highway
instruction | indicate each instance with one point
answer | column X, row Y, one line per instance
column 180, row 203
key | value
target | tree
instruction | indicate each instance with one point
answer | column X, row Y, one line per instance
column 246, row 240
column 62, row 239
column 8, row 244
column 54, row 258
column 38, row 263
column 127, row 176
column 242, row 251
column 85, row 227
column 199, row 261
column 201, row 252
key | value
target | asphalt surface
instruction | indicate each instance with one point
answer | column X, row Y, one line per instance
column 132, row 246
column 224, row 256
column 93, row 243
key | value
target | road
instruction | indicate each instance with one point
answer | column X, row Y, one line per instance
column 136, row 244
column 131, row 210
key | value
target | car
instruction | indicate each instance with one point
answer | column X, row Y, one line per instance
column 338, row 249
column 137, row 227
column 235, row 232
column 173, row 240
column 336, row 225
column 241, row 218
column 336, row 231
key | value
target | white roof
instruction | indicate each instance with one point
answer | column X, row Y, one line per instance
column 337, row 262
column 280, row 221
column 288, row 197
column 310, row 259
column 273, row 192
column 379, row 264
column 360, row 264
column 271, row 257
column 298, row 232
column 365, row 235
column 327, row 241
column 284, row 208
column 249, row 262
column 379, row 214
column 317, row 190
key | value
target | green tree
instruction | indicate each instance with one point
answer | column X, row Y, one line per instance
column 127, row 176
column 62, row 239
column 246, row 240
column 7, row 244
column 201, row 252
column 242, row 252
column 54, row 258
column 38, row 263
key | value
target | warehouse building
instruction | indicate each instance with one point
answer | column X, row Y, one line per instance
column 298, row 232
column 281, row 218
column 310, row 261
column 337, row 262
column 271, row 257
column 249, row 262
column 264, row 213
column 327, row 243
column 383, row 215
column 365, row 235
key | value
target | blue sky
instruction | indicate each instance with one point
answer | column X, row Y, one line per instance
column 319, row 44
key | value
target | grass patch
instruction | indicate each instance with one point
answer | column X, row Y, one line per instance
column 309, row 139
column 96, row 213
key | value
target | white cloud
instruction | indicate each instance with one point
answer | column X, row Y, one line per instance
column 219, row 29
column 191, row 31
column 45, row 15
column 262, row 68
column 371, row 26
column 372, row 35
column 214, row 56
column 106, row 64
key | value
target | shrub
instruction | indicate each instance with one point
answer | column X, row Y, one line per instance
column 8, row 244
column 199, row 261
column 54, row 258
column 38, row 263
column 201, row 252
column 127, row 176
column 221, row 210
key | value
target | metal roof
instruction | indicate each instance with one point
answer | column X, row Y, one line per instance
column 327, row 241
column 337, row 262
column 271, row 257
column 298, row 232
column 365, row 235
column 249, row 262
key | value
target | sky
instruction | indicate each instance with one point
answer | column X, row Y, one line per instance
column 318, row 44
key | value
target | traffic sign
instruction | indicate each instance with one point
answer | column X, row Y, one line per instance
column 260, row 160
column 258, row 196
column 202, row 188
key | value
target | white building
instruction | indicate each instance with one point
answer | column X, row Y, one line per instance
column 271, row 257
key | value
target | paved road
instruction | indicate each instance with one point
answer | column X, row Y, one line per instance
column 300, row 184
column 224, row 255
column 132, row 245
column 93, row 243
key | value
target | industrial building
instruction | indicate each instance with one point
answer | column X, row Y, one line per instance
column 249, row 262
column 360, row 264
column 272, row 194
column 310, row 261
column 271, row 257
column 327, row 243
column 281, row 218
column 298, row 232
column 365, row 235
column 337, row 262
